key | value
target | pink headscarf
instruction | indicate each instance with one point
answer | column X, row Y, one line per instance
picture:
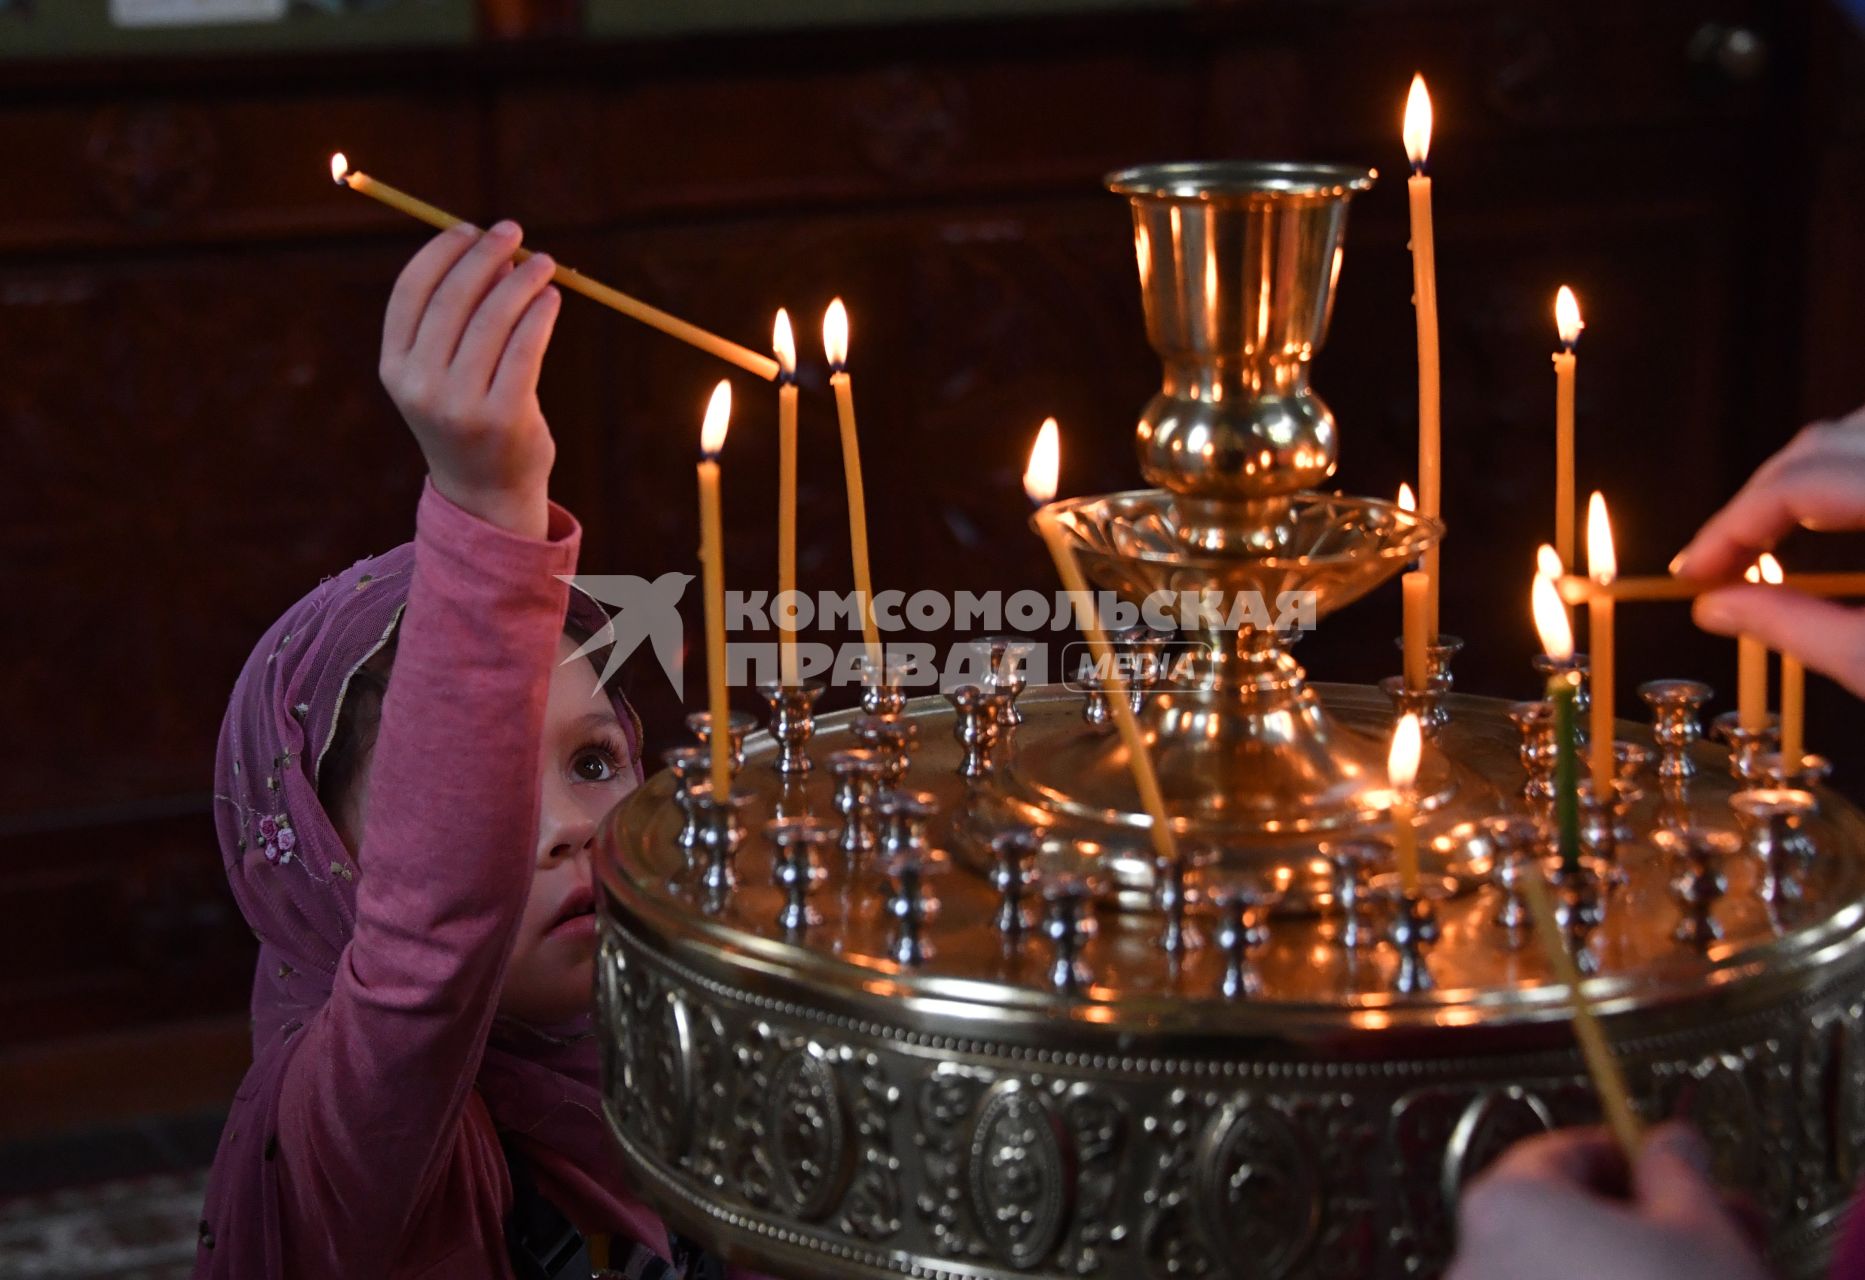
column 541, row 1086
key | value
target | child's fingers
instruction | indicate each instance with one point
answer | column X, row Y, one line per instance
column 516, row 380
column 458, row 295
column 416, row 285
column 490, row 330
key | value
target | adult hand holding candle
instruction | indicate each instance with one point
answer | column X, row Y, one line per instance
column 712, row 561
column 1557, row 641
column 568, row 278
column 1039, row 482
column 1417, row 133
column 1401, row 776
column 783, row 342
column 835, row 347
column 1602, row 567
column 1568, row 323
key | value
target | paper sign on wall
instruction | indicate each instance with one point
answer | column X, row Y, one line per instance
column 193, row 13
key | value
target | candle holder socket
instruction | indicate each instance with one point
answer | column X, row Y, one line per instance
column 1773, row 822
column 1427, row 703
column 1515, row 841
column 1008, row 658
column 1676, row 706
column 892, row 740
column 885, row 696
column 1605, row 825
column 687, row 765
column 976, row 726
column 1534, row 724
column 911, row 905
column 1096, row 713
column 739, row 724
column 722, row 832
column 1145, row 649
column 857, row 773
column 1579, row 905
column 1697, row 880
column 1413, row 927
column 797, row 869
column 1439, row 654
column 1013, row 875
column 1177, row 888
column 905, row 817
column 1547, row 668
column 1069, row 922
column 1352, row 863
column 1810, row 772
column 1243, row 905
column 1747, row 746
column 793, row 723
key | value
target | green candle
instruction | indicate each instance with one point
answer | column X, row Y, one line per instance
column 1561, row 689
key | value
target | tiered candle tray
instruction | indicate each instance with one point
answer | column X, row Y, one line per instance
column 1032, row 1087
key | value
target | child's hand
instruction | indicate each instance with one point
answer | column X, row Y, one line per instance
column 461, row 348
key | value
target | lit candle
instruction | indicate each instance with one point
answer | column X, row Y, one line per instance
column 1414, row 590
column 1793, row 711
column 1830, row 586
column 1039, row 482
column 835, row 346
column 1401, row 774
column 1557, row 640
column 1417, row 132
column 712, row 562
column 1567, row 321
column 1602, row 567
column 783, row 342
column 1752, row 658
column 634, row 308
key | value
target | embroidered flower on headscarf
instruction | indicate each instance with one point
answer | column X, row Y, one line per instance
column 276, row 837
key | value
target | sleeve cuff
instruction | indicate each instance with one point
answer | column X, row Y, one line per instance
column 462, row 539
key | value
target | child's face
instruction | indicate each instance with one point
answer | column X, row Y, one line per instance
column 585, row 769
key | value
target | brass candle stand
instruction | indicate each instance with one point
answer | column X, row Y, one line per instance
column 939, row 1009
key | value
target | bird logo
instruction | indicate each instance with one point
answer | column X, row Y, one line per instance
column 644, row 610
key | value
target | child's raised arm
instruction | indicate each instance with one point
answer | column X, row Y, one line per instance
column 380, row 1077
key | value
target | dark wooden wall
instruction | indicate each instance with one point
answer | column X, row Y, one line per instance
column 192, row 433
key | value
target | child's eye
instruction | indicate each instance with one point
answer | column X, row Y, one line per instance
column 595, row 764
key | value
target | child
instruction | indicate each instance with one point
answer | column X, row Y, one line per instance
column 410, row 781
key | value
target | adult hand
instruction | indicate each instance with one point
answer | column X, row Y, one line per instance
column 462, row 346
column 1565, row 1205
column 1816, row 482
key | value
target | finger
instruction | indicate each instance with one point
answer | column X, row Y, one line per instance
column 1672, row 1176
column 490, row 329
column 1587, row 1158
column 417, row 283
column 524, row 353
column 1826, row 636
column 1810, row 487
column 458, row 294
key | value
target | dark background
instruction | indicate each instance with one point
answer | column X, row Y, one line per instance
column 191, row 432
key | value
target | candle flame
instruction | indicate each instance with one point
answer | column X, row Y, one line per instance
column 1557, row 634
column 1602, row 563
column 1402, row 760
column 718, row 419
column 784, row 343
column 835, row 334
column 339, row 169
column 1407, row 502
column 1548, row 561
column 1418, row 123
column 1765, row 569
column 1567, row 321
column 1039, row 478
